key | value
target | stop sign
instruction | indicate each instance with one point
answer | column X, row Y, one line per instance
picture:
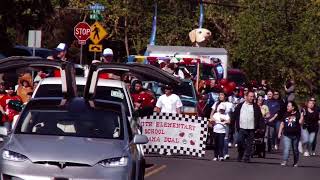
column 82, row 31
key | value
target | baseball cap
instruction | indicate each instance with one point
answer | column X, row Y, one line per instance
column 215, row 60
column 61, row 47
column 107, row 52
column 174, row 60
column 169, row 87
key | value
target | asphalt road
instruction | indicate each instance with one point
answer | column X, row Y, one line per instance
column 187, row 168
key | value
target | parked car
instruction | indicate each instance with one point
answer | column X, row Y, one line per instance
column 72, row 139
column 28, row 51
column 76, row 123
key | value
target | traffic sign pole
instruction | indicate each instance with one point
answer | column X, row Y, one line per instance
column 81, row 54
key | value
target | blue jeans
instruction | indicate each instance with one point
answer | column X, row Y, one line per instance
column 292, row 141
column 307, row 139
column 271, row 137
column 277, row 140
column 226, row 141
column 218, row 144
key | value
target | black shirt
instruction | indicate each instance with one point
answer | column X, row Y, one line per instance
column 291, row 124
column 311, row 120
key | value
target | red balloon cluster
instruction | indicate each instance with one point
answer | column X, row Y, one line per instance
column 228, row 87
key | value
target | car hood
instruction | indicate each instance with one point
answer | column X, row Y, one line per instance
column 65, row 149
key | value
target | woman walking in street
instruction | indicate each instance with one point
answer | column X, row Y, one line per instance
column 220, row 119
column 228, row 110
column 310, row 127
column 290, row 127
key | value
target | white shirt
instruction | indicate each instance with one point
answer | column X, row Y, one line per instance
column 247, row 116
column 220, row 127
column 169, row 104
column 228, row 105
column 180, row 74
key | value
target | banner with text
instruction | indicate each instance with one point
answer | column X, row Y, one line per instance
column 175, row 134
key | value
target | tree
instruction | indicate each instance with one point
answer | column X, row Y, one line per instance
column 270, row 36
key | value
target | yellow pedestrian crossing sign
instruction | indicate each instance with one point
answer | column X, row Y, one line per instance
column 97, row 32
column 95, row 47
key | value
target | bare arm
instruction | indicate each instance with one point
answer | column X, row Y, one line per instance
column 280, row 130
column 301, row 120
column 178, row 110
column 158, row 110
column 273, row 118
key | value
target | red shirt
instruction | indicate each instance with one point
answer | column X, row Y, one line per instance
column 146, row 99
column 10, row 112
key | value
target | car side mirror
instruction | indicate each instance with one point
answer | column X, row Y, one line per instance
column 3, row 131
column 140, row 139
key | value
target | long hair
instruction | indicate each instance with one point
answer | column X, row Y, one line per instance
column 295, row 106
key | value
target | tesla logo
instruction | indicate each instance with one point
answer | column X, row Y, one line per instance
column 62, row 165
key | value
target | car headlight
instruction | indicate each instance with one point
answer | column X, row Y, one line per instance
column 13, row 156
column 114, row 162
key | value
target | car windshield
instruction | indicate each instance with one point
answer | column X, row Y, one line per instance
column 205, row 70
column 185, row 89
column 91, row 123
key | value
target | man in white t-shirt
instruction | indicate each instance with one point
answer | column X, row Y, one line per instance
column 168, row 102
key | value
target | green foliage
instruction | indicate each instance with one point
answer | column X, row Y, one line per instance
column 278, row 40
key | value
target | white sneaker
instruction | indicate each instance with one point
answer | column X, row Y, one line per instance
column 226, row 157
column 295, row 165
column 284, row 163
column 276, row 147
column 306, row 154
column 313, row 153
column 215, row 159
column 236, row 145
column 230, row 145
column 221, row 159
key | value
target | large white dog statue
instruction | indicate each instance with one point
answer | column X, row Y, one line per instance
column 199, row 37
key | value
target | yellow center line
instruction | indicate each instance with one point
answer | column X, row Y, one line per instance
column 154, row 171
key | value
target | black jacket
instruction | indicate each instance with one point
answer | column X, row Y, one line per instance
column 258, row 121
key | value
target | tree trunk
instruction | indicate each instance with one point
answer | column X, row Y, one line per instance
column 126, row 28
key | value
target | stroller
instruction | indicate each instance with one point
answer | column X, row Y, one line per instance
column 259, row 145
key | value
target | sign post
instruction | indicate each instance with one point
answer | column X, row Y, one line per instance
column 82, row 32
column 34, row 40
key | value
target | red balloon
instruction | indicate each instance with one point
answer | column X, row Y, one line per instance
column 227, row 90
column 224, row 82
column 232, row 85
